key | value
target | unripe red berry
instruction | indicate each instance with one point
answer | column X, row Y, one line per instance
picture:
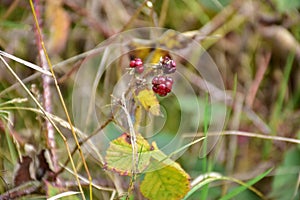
column 132, row 63
column 138, row 62
column 139, row 69
column 162, row 85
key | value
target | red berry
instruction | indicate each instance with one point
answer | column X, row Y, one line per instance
column 132, row 63
column 173, row 63
column 138, row 62
column 155, row 80
column 167, row 90
column 169, row 79
column 169, row 85
column 162, row 85
column 161, row 79
column 155, row 89
column 139, row 69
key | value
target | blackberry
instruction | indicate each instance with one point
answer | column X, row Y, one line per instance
column 162, row 85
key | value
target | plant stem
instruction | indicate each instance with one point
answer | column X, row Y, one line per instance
column 50, row 136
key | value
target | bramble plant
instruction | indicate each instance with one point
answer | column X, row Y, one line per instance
column 99, row 100
column 132, row 155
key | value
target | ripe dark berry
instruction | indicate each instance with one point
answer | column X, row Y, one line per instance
column 161, row 79
column 155, row 89
column 168, row 85
column 168, row 65
column 155, row 81
column 162, row 85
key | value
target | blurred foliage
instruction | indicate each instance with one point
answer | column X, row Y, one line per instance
column 285, row 183
column 238, row 35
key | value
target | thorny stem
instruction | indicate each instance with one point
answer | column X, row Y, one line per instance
column 46, row 90
column 66, row 112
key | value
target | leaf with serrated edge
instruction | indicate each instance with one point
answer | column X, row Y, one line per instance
column 149, row 101
column 168, row 182
column 119, row 154
column 166, row 179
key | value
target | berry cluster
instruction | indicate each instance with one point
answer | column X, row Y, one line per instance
column 168, row 65
column 162, row 85
column 137, row 64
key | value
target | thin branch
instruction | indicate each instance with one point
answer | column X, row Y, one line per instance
column 83, row 141
column 247, row 134
column 262, row 67
column 50, row 136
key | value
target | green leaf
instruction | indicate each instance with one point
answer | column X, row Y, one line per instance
column 169, row 182
column 54, row 192
column 234, row 192
column 243, row 187
column 119, row 154
column 201, row 184
column 285, row 183
column 287, row 5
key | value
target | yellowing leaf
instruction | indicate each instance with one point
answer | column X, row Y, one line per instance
column 149, row 101
column 138, row 117
column 165, row 183
column 146, row 51
column 58, row 21
column 165, row 179
column 119, row 154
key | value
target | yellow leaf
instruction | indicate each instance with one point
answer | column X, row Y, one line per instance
column 58, row 21
column 149, row 101
column 147, row 51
